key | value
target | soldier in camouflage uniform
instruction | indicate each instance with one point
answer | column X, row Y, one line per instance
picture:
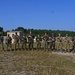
column 16, row 40
column 24, row 42
column 67, row 43
column 30, row 40
column 52, row 46
column 73, row 41
column 46, row 39
column 59, row 42
column 50, row 43
column 38, row 39
column 9, row 42
column 1, row 41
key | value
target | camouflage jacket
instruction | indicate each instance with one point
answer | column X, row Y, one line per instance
column 16, row 38
column 1, row 39
column 24, row 39
column 67, row 39
column 59, row 39
column 8, row 40
column 53, row 39
column 46, row 38
column 30, row 38
column 73, row 40
column 38, row 39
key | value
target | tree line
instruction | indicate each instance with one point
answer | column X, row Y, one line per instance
column 40, row 31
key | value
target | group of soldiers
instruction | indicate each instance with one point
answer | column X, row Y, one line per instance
column 58, row 43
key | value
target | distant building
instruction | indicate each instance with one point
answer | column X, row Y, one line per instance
column 20, row 33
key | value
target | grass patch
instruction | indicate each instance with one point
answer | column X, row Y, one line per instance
column 36, row 63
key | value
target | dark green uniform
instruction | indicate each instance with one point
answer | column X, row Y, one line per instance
column 50, row 42
column 46, row 39
column 9, row 42
column 24, row 42
column 52, row 46
column 30, row 41
column 73, row 41
column 1, row 42
column 38, row 39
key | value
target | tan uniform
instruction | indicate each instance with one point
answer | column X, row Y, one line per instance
column 59, row 43
column 16, row 41
column 38, row 42
column 67, row 43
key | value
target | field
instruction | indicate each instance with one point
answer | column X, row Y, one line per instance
column 36, row 62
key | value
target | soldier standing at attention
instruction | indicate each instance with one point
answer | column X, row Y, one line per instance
column 73, row 41
column 1, row 41
column 24, row 42
column 38, row 39
column 16, row 40
column 30, row 40
column 67, row 43
column 46, row 39
column 59, row 42
column 9, row 42
column 52, row 46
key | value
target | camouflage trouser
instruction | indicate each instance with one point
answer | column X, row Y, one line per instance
column 9, row 46
column 30, row 44
column 24, row 45
column 16, row 44
column 1, row 46
column 67, row 46
column 38, row 45
column 46, row 45
column 74, row 47
column 52, row 45
column 59, row 45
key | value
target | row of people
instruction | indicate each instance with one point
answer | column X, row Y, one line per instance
column 46, row 41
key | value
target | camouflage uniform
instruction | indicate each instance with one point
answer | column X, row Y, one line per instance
column 59, row 42
column 1, row 42
column 73, row 41
column 52, row 44
column 67, row 43
column 30, row 40
column 16, row 40
column 46, row 39
column 9, row 42
column 38, row 41
column 24, row 42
